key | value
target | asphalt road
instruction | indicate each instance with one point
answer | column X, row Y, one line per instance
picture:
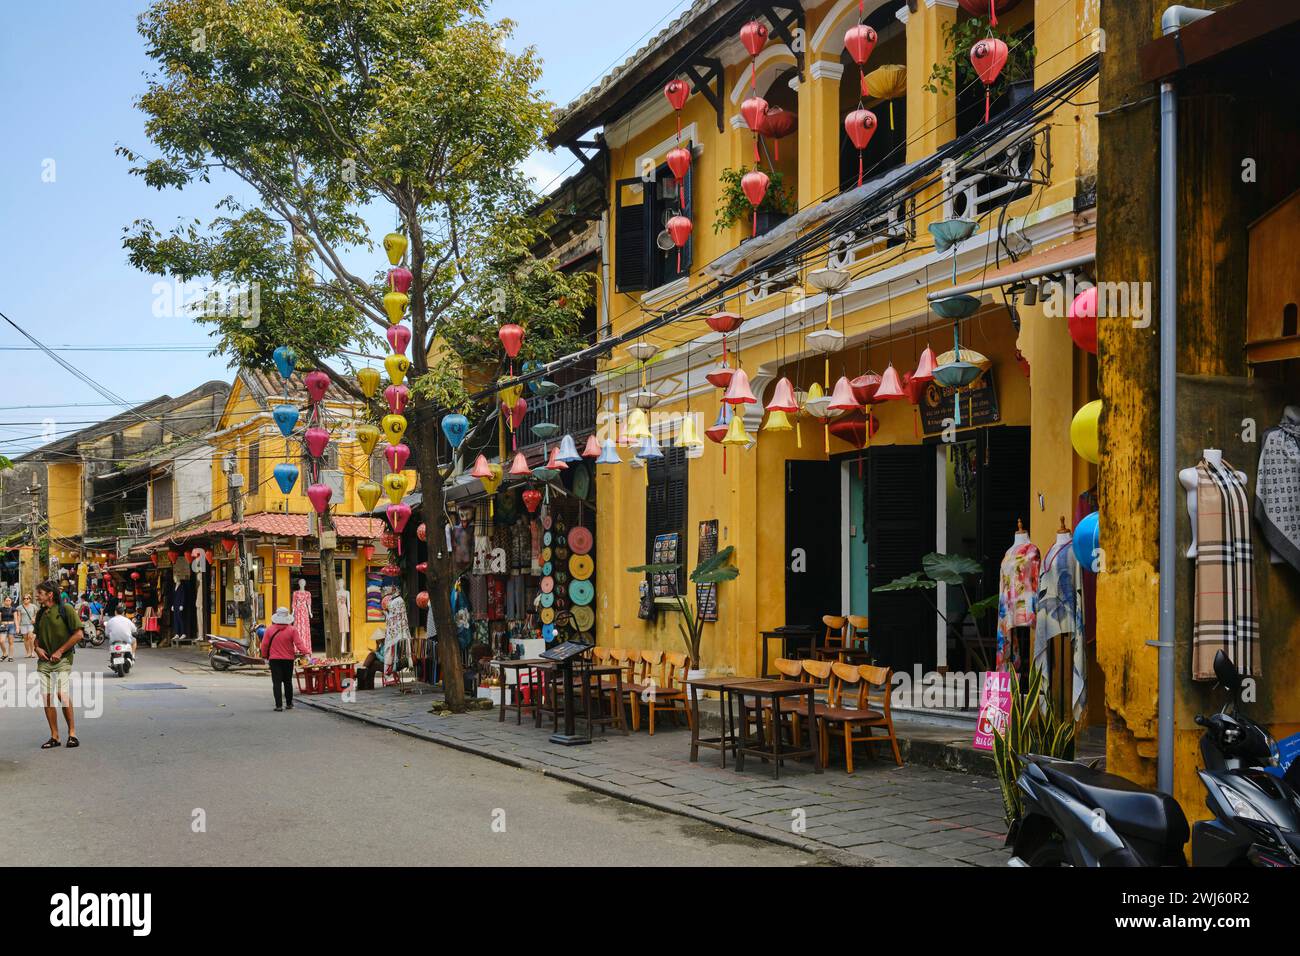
column 206, row 773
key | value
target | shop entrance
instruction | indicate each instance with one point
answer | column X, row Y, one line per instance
column 312, row 576
column 812, row 542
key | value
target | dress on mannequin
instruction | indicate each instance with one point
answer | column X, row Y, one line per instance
column 343, row 601
column 1060, row 612
column 1017, row 597
column 178, row 611
column 302, row 618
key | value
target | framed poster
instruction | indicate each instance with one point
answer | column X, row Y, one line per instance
column 374, row 595
column 706, row 595
column 979, row 405
column 667, row 550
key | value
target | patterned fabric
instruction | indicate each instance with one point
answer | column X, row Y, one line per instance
column 1277, row 492
column 302, row 621
column 1017, row 599
column 1060, row 611
column 1225, row 616
column 397, row 636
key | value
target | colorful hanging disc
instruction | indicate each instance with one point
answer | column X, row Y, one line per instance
column 583, row 618
column 582, row 592
column 581, row 566
column 546, row 600
column 580, row 540
column 547, row 585
column 547, row 615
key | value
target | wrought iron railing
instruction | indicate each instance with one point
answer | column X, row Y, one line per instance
column 572, row 409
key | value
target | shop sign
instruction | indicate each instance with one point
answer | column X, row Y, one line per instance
column 995, row 708
column 706, row 595
column 979, row 405
column 288, row 559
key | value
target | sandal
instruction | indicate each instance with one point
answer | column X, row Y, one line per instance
column 51, row 744
column 73, row 742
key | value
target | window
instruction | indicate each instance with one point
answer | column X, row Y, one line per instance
column 254, row 467
column 665, row 512
column 644, row 255
column 161, row 493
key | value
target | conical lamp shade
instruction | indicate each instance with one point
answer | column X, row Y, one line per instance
column 690, row 434
column 568, row 450
column 638, row 425
column 649, row 448
column 843, row 399
column 736, row 434
column 718, row 430
column 777, row 421
column 481, row 468
column 891, row 386
column 783, row 399
column 555, row 462
column 609, row 453
column 925, row 367
column 738, row 392
column 592, row 450
column 519, row 467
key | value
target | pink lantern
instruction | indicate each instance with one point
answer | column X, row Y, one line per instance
column 317, row 382
column 397, row 397
column 783, row 399
column 754, row 184
column 397, row 516
column 842, row 398
column 481, row 468
column 519, row 467
column 860, row 41
column 554, row 463
column 988, row 56
column 754, row 109
column 754, row 36
column 422, row 567
column 316, row 438
column 422, row 532
column 864, row 387
column 399, row 279
column 512, row 338
column 861, row 126
column 399, row 337
column 738, row 391
column 592, row 450
column 891, row 386
column 925, row 367
column 397, row 456
column 1083, row 320
column 422, row 600
column 319, row 496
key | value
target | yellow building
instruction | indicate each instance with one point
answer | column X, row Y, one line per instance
column 817, row 519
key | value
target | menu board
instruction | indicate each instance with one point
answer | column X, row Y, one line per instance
column 706, row 595
column 667, row 550
column 979, row 405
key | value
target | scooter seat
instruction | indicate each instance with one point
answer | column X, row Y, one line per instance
column 1131, row 809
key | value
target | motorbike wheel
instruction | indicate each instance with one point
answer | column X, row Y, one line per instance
column 118, row 670
column 126, row 668
column 218, row 662
column 1051, row 852
column 98, row 639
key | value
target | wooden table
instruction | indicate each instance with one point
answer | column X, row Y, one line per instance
column 799, row 632
column 552, row 676
column 776, row 691
column 530, row 665
column 726, row 740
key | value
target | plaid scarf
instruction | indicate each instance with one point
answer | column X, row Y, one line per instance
column 1225, row 616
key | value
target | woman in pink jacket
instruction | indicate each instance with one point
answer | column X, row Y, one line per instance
column 278, row 649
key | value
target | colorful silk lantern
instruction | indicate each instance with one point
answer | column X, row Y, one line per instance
column 925, row 366
column 852, row 428
column 555, row 462
column 397, row 366
column 286, row 417
column 738, row 392
column 638, row 425
column 736, row 433
column 397, row 456
column 285, row 359
column 677, row 91
column 783, row 399
column 1085, row 432
column 368, row 379
column 754, row 36
column 422, row 567
column 517, row 411
column 319, row 496
column 609, row 453
column 842, row 398
column 592, row 449
column 395, row 304
column 369, row 492
column 394, row 427
column 398, row 514
column 317, row 383
column 988, row 56
column 1086, row 542
column 395, row 486
column 679, row 229
column 724, row 323
column 861, row 126
column 422, row 531
column 399, row 279
column 679, row 164
column 286, row 476
column 422, row 600
column 777, row 421
column 864, row 387
column 455, row 427
column 720, row 376
column 987, row 8
column 397, row 397
column 1083, row 320
column 754, row 185
column 689, row 436
column 649, row 449
column 753, row 110
column 718, row 430
column 891, row 386
column 481, row 469
column 316, row 438
column 777, row 124
column 532, row 499
column 888, row 82
column 568, row 451
column 519, row 467
column 512, row 338
column 399, row 337
column 860, row 40
column 367, row 438
column 395, row 247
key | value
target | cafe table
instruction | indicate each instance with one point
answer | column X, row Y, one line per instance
column 775, row 691
column 529, row 665
column 726, row 739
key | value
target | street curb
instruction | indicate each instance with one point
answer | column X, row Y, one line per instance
column 814, row 848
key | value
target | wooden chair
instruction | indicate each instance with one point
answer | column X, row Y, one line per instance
column 879, row 683
column 855, row 651
column 670, row 689
column 849, row 708
column 832, row 644
column 640, row 670
column 600, row 655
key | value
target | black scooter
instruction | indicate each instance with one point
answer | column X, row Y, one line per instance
column 1075, row 815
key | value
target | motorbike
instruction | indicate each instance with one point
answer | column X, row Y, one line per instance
column 1076, row 815
column 91, row 635
column 228, row 652
column 120, row 657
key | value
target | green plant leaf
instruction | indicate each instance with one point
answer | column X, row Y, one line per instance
column 908, row 582
column 949, row 568
column 979, row 608
column 716, row 569
column 654, row 569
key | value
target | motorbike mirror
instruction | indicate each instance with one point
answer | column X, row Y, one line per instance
column 1226, row 672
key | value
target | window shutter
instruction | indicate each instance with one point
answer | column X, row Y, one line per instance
column 688, row 210
column 631, row 253
column 254, row 467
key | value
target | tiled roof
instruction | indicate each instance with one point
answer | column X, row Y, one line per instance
column 290, row 525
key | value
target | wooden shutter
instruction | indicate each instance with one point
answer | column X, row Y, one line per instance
column 631, row 248
column 812, row 533
column 254, row 467
column 1003, row 478
column 162, row 498
column 665, row 503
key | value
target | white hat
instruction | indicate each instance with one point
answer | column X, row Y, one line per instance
column 281, row 616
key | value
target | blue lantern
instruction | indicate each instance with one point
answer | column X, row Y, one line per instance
column 286, row 476
column 1087, row 542
column 455, row 427
column 285, row 359
column 286, row 416
column 609, row 454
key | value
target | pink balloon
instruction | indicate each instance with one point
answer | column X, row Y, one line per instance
column 399, row 337
column 317, row 382
column 319, row 496
column 316, row 438
column 397, row 396
column 396, row 455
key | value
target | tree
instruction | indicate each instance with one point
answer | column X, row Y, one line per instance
column 336, row 113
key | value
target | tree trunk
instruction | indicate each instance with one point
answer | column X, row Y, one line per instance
column 329, row 593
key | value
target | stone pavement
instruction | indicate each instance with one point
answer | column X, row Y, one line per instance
column 880, row 815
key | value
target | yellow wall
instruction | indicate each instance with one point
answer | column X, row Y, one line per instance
column 67, row 510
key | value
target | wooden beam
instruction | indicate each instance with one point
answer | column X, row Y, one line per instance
column 1222, row 32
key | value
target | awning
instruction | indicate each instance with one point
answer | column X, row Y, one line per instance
column 128, row 565
column 1062, row 258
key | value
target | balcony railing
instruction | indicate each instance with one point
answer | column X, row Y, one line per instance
column 897, row 224
column 572, row 408
column 997, row 176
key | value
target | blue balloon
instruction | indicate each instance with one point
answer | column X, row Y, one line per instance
column 285, row 359
column 286, row 416
column 1087, row 542
column 286, row 476
column 455, row 427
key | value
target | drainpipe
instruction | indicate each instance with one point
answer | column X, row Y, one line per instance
column 1173, row 20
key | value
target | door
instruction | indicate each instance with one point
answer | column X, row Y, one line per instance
column 900, row 533
column 812, row 542
column 1003, row 500
column 312, row 577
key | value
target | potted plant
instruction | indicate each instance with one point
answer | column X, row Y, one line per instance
column 956, row 72
column 1033, row 727
column 714, row 570
column 734, row 207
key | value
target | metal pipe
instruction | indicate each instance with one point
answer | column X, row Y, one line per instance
column 970, row 288
column 1168, row 436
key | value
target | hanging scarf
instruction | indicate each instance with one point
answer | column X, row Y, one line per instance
column 1060, row 611
column 1017, row 600
column 1277, row 492
column 1224, row 612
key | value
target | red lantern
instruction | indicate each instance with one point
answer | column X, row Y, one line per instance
column 754, row 184
column 153, row 558
column 860, row 41
column 135, row 575
column 679, row 228
column 988, row 56
column 422, row 600
column 390, row 571
column 861, row 126
column 516, row 412
column 399, row 279
column 532, row 498
column 864, row 387
column 720, row 377
column 422, row 567
column 852, row 428
column 677, row 91
column 679, row 163
column 317, row 383
column 388, row 540
column 397, row 516
column 724, row 322
column 512, row 338
column 777, row 125
column 754, row 36
column 422, row 531
column 172, row 556
column 718, row 430
column 754, row 110
column 367, row 551
column 987, row 8
column 209, row 556
column 1083, row 320
column 229, row 544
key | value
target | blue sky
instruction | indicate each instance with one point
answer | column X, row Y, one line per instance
column 70, row 71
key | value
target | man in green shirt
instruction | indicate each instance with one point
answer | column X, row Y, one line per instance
column 57, row 631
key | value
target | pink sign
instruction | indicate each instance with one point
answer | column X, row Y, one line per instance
column 995, row 708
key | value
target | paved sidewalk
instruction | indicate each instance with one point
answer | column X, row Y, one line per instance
column 881, row 815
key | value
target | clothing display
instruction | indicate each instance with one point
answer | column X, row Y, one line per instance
column 1017, row 598
column 1224, row 613
column 302, row 620
column 397, row 636
column 344, row 603
column 1277, row 490
column 1060, row 612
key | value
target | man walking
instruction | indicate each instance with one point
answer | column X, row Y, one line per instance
column 57, row 631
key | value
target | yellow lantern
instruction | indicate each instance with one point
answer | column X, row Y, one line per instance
column 367, row 438
column 369, row 492
column 398, row 366
column 736, row 434
column 368, row 379
column 510, row 396
column 1085, row 432
column 690, row 434
column 493, row 481
column 887, row 82
column 638, row 425
column 394, row 428
column 395, row 246
column 395, row 304
column 777, row 421
column 395, row 486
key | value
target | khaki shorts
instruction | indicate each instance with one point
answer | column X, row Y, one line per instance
column 55, row 677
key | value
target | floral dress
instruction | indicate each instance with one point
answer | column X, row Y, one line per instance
column 1017, row 600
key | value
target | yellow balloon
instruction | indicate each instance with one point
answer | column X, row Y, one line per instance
column 395, row 246
column 369, row 492
column 493, row 483
column 398, row 366
column 368, row 379
column 367, row 438
column 395, row 486
column 1085, row 432
column 394, row 428
column 395, row 304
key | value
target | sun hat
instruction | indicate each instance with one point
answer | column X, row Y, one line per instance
column 281, row 616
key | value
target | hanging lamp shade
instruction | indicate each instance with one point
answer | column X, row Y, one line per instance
column 455, row 427
column 642, row 351
column 886, row 82
column 677, row 92
column 397, row 456
column 689, row 436
column 925, row 366
column 368, row 379
column 852, row 428
column 718, row 430
column 724, row 322
column 286, row 476
column 860, row 40
column 546, row 430
column 638, row 425
column 397, row 365
column 519, row 467
column 891, row 386
column 319, row 496
column 286, row 417
column 1083, row 320
column 738, row 392
column 609, row 453
column 649, row 448
column 956, row 374
column 778, row 421
column 512, row 338
column 842, row 398
column 679, row 161
column 825, row 341
column 988, row 56
column 394, row 427
column 864, row 387
column 399, row 279
column 369, row 492
column 316, row 438
column 481, row 468
column 592, row 448
column 395, row 304
column 779, row 123
column 949, row 232
column 554, row 463
column 720, row 376
column 395, row 486
column 367, row 438
column 978, row 359
column 568, row 450
column 956, row 306
column 753, row 110
column 399, row 337
column 783, row 399
column 397, row 397
column 394, row 247
column 645, row 398
column 531, row 498
column 285, row 359
column 736, row 434
column 317, row 383
column 830, row 281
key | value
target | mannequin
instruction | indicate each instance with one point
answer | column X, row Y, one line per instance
column 1018, row 598
column 302, row 618
column 1060, row 614
column 345, row 615
column 1188, row 479
column 178, row 612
